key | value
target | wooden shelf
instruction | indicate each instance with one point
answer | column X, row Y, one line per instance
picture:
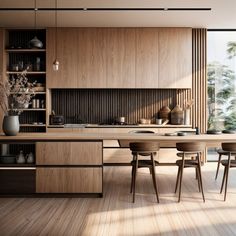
column 28, row 93
column 33, row 109
column 17, row 165
column 32, row 125
column 28, row 72
column 20, row 50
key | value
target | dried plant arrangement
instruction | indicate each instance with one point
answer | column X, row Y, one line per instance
column 16, row 93
column 188, row 104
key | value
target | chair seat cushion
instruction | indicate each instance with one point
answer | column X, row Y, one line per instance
column 144, row 163
column 144, row 153
column 187, row 163
column 225, row 163
column 222, row 152
column 187, row 155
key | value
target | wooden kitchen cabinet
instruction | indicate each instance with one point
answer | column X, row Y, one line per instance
column 92, row 64
column 120, row 58
column 69, row 180
column 67, row 55
column 146, row 61
column 69, row 153
column 175, row 58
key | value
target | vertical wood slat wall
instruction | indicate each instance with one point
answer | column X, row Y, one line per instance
column 104, row 105
column 199, row 91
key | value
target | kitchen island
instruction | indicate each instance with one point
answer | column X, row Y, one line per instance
column 72, row 163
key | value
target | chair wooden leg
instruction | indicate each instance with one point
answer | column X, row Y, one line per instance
column 135, row 176
column 180, row 183
column 226, row 181
column 223, row 180
column 177, row 180
column 132, row 179
column 150, row 170
column 198, row 179
column 154, row 177
column 200, row 176
column 218, row 166
column 196, row 173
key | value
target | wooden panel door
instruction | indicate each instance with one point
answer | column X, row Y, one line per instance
column 92, row 58
column 120, row 57
column 2, row 69
column 69, row 153
column 175, row 58
column 67, row 55
column 68, row 180
column 146, row 63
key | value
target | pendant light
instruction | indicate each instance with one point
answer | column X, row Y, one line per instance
column 35, row 42
column 56, row 62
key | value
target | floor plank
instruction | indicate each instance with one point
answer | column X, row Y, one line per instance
column 115, row 214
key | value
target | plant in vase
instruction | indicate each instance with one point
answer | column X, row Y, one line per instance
column 15, row 95
column 187, row 111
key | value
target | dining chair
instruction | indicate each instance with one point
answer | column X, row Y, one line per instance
column 147, row 150
column 221, row 153
column 187, row 150
column 230, row 148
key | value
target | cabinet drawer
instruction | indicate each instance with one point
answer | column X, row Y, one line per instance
column 13, row 181
column 69, row 180
column 69, row 153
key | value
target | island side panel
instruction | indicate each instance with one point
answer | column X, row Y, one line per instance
column 69, row 167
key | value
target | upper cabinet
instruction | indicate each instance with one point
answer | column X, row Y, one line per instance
column 175, row 58
column 146, row 60
column 67, row 55
column 120, row 58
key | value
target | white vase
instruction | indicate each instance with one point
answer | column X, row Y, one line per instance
column 187, row 117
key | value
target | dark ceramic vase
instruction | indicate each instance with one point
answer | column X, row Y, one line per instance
column 11, row 125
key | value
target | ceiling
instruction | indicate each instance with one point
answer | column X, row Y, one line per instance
column 222, row 15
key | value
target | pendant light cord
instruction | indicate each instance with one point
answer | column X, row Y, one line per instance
column 35, row 17
column 56, row 29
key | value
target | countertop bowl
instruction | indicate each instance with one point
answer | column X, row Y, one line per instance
column 8, row 159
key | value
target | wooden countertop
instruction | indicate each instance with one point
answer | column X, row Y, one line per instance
column 114, row 136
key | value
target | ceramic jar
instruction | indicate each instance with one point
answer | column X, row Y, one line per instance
column 20, row 159
column 30, row 158
column 177, row 116
column 164, row 113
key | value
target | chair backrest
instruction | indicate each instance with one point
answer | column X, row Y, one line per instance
column 144, row 147
column 229, row 147
column 191, row 146
column 125, row 143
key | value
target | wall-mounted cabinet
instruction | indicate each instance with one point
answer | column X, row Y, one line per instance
column 120, row 58
column 146, row 59
column 175, row 58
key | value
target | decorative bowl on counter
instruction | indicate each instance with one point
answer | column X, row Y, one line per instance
column 8, row 159
column 145, row 121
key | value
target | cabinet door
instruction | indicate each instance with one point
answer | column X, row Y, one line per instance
column 120, row 57
column 92, row 58
column 175, row 58
column 68, row 180
column 67, row 55
column 69, row 153
column 146, row 58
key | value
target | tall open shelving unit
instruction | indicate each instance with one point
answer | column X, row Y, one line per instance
column 17, row 51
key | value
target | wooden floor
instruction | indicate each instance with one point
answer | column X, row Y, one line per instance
column 115, row 214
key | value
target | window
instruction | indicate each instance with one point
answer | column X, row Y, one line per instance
column 221, row 72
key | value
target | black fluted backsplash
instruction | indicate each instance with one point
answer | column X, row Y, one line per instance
column 104, row 105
